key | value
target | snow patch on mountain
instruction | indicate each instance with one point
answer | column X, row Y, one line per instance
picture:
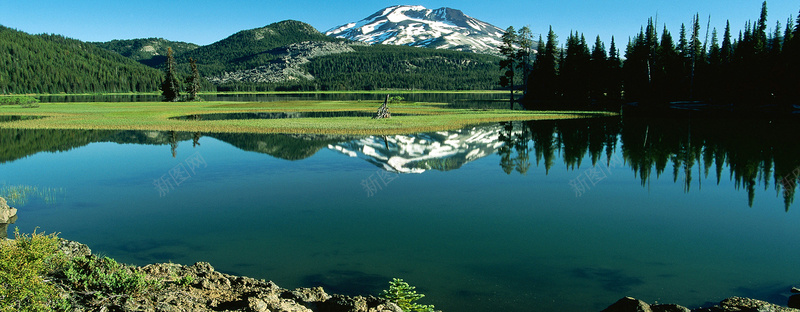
column 443, row 28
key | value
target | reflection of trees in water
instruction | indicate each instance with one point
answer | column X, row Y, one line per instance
column 757, row 153
column 572, row 139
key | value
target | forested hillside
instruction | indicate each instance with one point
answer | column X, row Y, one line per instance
column 54, row 64
column 249, row 48
column 379, row 67
column 149, row 51
column 401, row 67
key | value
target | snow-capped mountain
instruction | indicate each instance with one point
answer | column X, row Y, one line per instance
column 443, row 28
column 443, row 150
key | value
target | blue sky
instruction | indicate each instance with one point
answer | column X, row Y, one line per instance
column 207, row 21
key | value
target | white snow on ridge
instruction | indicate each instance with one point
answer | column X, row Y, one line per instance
column 419, row 26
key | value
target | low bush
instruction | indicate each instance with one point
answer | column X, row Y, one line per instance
column 24, row 263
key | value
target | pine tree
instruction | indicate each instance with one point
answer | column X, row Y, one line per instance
column 193, row 81
column 614, row 67
column 760, row 32
column 170, row 88
column 726, row 51
column 509, row 51
column 599, row 70
column 543, row 79
column 525, row 42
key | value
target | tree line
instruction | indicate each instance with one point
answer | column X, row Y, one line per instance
column 55, row 64
column 380, row 67
column 759, row 67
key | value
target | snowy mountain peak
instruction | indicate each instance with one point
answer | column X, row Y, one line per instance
column 443, row 28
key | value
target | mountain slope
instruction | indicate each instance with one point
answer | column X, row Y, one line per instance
column 149, row 51
column 251, row 48
column 54, row 64
column 443, row 28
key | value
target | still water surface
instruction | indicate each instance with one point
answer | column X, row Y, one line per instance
column 538, row 216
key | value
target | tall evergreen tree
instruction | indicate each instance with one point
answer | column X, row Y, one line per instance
column 543, row 80
column 170, row 88
column 193, row 81
column 760, row 31
column 598, row 83
column 525, row 41
column 696, row 53
column 614, row 68
column 507, row 65
column 726, row 51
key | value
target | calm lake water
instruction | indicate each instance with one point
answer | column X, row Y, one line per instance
column 537, row 216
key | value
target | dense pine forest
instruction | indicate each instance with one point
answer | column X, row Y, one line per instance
column 400, row 67
column 55, row 64
column 381, row 67
column 758, row 68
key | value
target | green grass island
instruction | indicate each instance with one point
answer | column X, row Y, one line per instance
column 410, row 117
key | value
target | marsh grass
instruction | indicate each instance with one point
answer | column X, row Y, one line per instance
column 155, row 116
column 19, row 195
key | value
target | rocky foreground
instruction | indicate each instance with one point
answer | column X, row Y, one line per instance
column 733, row 304
column 201, row 288
column 210, row 290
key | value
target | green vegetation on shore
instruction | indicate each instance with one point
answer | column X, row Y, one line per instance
column 23, row 264
column 418, row 117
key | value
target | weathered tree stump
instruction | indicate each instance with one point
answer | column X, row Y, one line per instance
column 383, row 111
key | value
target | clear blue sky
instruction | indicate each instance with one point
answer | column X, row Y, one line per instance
column 207, row 21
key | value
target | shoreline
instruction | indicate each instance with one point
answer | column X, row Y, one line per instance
column 242, row 293
column 199, row 287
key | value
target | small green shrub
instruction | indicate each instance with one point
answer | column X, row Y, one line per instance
column 105, row 277
column 405, row 296
column 396, row 99
column 23, row 100
column 185, row 281
column 24, row 262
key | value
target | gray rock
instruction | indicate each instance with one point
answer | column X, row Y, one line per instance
column 6, row 212
column 74, row 249
column 736, row 304
column 629, row 304
column 8, row 216
column 669, row 308
column 316, row 294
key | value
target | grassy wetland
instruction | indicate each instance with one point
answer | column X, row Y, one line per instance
column 412, row 116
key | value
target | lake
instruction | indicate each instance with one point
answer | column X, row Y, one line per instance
column 566, row 215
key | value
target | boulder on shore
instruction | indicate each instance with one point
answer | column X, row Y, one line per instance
column 733, row 304
column 8, row 216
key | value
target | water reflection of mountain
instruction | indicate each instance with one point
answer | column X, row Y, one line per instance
column 757, row 153
column 284, row 146
column 416, row 153
column 20, row 143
